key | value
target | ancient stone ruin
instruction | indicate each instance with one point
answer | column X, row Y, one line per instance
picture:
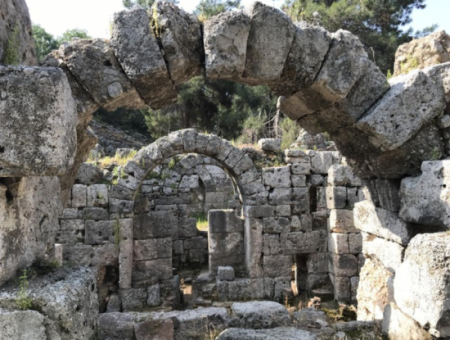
column 364, row 228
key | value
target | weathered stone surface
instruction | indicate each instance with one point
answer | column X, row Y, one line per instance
column 29, row 211
column 225, row 40
column 336, row 197
column 18, row 325
column 260, row 314
column 88, row 174
column 151, row 271
column 381, row 223
column 420, row 53
column 181, row 39
column 342, row 175
column 389, row 254
column 16, row 18
column 277, row 265
column 225, row 273
column 413, row 101
column 397, row 325
column 309, row 47
column 343, row 265
column 341, row 221
column 278, row 333
column 151, row 249
column 67, row 298
column 382, row 193
column 138, row 52
column 253, row 241
column 426, row 199
column 321, row 162
column 338, row 243
column 270, row 144
column 94, row 65
column 423, row 277
column 277, row 177
column 303, row 242
column 38, row 137
column 374, row 291
column 156, row 224
column 268, row 27
column 116, row 326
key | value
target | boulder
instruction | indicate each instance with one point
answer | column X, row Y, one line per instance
column 374, row 290
column 19, row 325
column 412, row 102
column 382, row 223
column 38, row 137
column 270, row 144
column 389, row 254
column 138, row 52
column 66, row 298
column 181, row 39
column 278, row 333
column 29, row 212
column 16, row 37
column 225, row 43
column 423, row 277
column 260, row 314
column 426, row 199
column 308, row 51
column 397, row 325
column 268, row 27
column 420, row 53
column 95, row 66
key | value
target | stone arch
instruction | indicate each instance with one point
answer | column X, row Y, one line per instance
column 234, row 161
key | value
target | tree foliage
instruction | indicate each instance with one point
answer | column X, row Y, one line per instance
column 208, row 8
column 377, row 23
column 144, row 3
column 45, row 42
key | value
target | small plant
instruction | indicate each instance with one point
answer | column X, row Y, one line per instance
column 173, row 186
column 435, row 154
column 23, row 301
column 12, row 47
column 173, row 161
column 202, row 220
column 123, row 174
column 154, row 23
column 153, row 175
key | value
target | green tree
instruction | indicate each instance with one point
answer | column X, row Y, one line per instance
column 74, row 33
column 208, row 8
column 44, row 41
column 377, row 23
column 144, row 3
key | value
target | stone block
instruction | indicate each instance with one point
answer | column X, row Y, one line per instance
column 276, row 226
column 151, row 249
column 274, row 333
column 101, row 232
column 343, row 265
column 355, row 243
column 97, row 195
column 225, row 273
column 299, row 180
column 341, row 221
column 154, row 329
column 268, row 26
column 342, row 175
column 146, row 70
column 38, row 136
column 277, row 265
column 304, row 60
column 300, row 198
column 270, row 144
column 321, row 161
column 402, row 111
column 389, row 254
column 225, row 40
column 225, row 221
column 317, row 263
column 79, row 196
column 152, row 271
column 373, row 291
column 154, row 295
column 71, row 225
column 283, row 210
column 342, row 288
column 259, row 211
column 156, row 224
column 93, row 213
column 25, row 324
column 382, row 223
column 303, row 243
column 336, row 197
column 425, row 199
column 94, row 65
column 69, row 214
column 277, row 177
column 301, row 168
column 338, row 243
column 180, row 35
column 397, row 325
column 116, row 326
column 253, row 240
column 271, row 244
column 260, row 314
column 423, row 277
column 225, row 249
column 133, row 299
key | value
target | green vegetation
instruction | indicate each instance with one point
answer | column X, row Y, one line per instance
column 173, row 161
column 23, row 301
column 117, row 160
column 377, row 23
column 116, row 233
column 11, row 56
column 289, row 132
column 202, row 221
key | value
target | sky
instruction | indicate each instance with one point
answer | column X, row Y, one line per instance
column 95, row 16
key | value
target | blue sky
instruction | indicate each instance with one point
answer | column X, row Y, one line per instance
column 57, row 16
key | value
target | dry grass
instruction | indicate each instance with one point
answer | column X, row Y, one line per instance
column 106, row 162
